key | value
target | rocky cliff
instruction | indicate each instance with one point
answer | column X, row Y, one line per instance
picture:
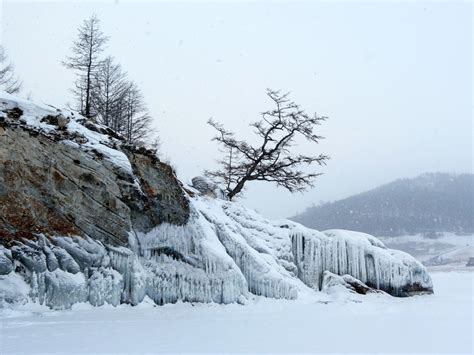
column 85, row 217
column 79, row 179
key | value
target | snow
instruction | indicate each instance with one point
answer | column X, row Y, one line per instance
column 34, row 112
column 273, row 252
column 447, row 251
column 223, row 254
column 375, row 323
column 189, row 263
column 13, row 289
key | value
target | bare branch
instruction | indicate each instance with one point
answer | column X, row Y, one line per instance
column 271, row 160
column 8, row 81
column 85, row 60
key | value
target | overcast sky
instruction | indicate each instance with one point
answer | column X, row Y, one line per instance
column 395, row 79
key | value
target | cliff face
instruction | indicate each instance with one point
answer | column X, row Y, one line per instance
column 60, row 181
column 85, row 217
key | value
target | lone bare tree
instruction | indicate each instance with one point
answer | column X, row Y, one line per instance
column 270, row 160
column 8, row 81
column 85, row 61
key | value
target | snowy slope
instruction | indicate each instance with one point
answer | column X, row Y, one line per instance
column 445, row 251
column 34, row 116
column 429, row 203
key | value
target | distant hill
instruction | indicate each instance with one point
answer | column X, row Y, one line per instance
column 434, row 202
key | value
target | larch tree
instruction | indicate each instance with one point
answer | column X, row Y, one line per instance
column 137, row 119
column 8, row 80
column 85, row 61
column 272, row 159
column 109, row 91
column 102, row 89
column 118, row 103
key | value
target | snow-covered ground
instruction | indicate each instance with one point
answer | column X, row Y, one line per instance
column 437, row 323
column 445, row 253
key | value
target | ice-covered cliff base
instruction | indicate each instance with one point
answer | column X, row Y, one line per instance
column 221, row 255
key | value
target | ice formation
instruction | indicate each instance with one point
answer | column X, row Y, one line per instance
column 333, row 283
column 223, row 253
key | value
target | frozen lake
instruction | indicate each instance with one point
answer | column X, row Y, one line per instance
column 446, row 252
column 442, row 322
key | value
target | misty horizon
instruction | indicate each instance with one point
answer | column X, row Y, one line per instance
column 392, row 80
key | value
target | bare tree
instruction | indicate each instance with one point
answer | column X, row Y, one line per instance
column 136, row 118
column 109, row 90
column 270, row 160
column 85, row 61
column 8, row 81
column 118, row 103
column 155, row 144
column 102, row 89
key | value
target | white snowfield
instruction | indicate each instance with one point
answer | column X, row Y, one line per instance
column 445, row 252
column 225, row 253
column 342, row 323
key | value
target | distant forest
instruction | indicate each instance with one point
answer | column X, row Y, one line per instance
column 430, row 203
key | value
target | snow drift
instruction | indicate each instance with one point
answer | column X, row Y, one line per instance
column 89, row 218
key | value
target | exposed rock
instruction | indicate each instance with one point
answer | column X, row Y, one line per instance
column 161, row 197
column 346, row 281
column 207, row 187
column 60, row 120
column 48, row 185
column 13, row 113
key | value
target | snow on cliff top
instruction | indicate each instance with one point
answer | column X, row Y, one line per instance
column 34, row 114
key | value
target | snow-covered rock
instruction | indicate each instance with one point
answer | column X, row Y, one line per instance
column 332, row 282
column 207, row 187
column 89, row 218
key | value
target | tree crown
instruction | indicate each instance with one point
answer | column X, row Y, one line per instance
column 272, row 159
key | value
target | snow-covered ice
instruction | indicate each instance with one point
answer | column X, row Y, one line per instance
column 445, row 252
column 438, row 323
